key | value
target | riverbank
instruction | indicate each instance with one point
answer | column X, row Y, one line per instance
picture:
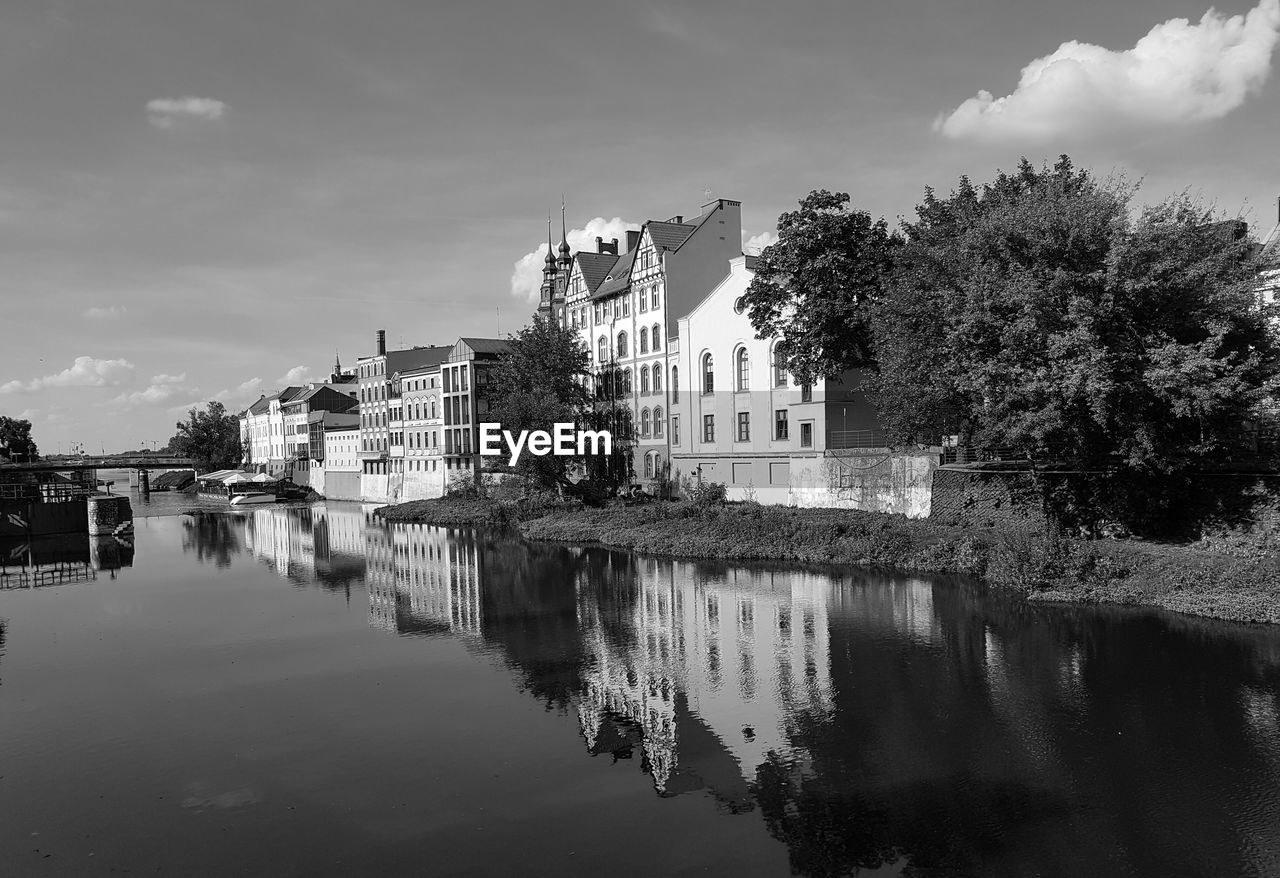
column 1240, row 582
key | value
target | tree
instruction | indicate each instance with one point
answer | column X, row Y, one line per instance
column 1038, row 315
column 211, row 438
column 15, row 439
column 814, row 288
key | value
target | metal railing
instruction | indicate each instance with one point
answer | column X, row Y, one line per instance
column 844, row 439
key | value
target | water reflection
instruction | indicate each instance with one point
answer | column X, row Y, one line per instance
column 870, row 720
column 61, row 559
column 212, row 536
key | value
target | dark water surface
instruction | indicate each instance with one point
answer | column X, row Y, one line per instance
column 304, row 691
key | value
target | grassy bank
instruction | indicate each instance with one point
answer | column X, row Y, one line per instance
column 1238, row 580
column 1239, row 584
column 451, row 511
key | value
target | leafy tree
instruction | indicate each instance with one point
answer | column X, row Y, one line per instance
column 1039, row 314
column 211, row 438
column 541, row 381
column 15, row 439
column 815, row 287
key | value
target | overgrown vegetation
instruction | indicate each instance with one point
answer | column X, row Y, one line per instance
column 1038, row 317
column 211, row 438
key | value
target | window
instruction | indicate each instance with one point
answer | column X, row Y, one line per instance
column 648, row 465
column 625, row 303
column 657, row 423
column 675, row 429
column 644, row 301
column 806, row 434
column 644, row 423
column 780, row 424
column 622, row 344
column 806, row 393
column 603, row 345
column 742, row 364
column 599, row 313
column 644, row 380
column 626, row 380
column 657, row 377
column 779, row 369
column 708, row 374
column 657, row 337
column 744, row 426
column 644, row 340
column 708, row 428
column 653, row 299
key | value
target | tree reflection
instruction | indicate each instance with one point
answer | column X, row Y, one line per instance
column 212, row 536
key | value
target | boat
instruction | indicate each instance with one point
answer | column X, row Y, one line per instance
column 252, row 497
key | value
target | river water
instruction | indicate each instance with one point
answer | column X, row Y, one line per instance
column 306, row 691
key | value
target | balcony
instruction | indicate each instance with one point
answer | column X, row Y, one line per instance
column 375, row 454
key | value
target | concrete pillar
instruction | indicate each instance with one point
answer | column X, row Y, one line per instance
column 144, row 481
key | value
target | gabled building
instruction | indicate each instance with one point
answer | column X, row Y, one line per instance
column 313, row 399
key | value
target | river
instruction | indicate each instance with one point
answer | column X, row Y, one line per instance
column 307, row 691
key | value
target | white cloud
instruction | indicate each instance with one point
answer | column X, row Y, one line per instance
column 527, row 276
column 1179, row 73
column 84, row 372
column 164, row 112
column 296, row 376
column 754, row 244
column 109, row 313
column 161, row 389
column 234, row 398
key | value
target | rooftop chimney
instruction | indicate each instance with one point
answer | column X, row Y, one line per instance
column 633, row 238
column 602, row 247
column 382, row 342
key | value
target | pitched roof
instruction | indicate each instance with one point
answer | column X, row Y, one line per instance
column 669, row 236
column 595, row 268
column 416, row 358
column 621, row 276
column 289, row 393
column 487, row 345
column 261, row 406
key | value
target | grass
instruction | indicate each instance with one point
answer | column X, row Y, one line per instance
column 1237, row 580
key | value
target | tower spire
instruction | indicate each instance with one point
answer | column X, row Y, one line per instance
column 564, row 238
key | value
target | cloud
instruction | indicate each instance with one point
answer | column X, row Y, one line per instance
column 234, row 398
column 754, row 244
column 1179, row 73
column 109, row 313
column 165, row 112
column 162, row 389
column 296, row 376
column 85, row 372
column 527, row 276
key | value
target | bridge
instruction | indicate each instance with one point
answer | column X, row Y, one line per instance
column 93, row 461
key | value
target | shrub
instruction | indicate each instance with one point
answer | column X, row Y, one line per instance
column 708, row 493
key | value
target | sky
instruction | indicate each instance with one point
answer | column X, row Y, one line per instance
column 209, row 200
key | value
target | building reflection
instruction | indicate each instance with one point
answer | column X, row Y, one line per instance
column 871, row 720
column 60, row 559
column 323, row 544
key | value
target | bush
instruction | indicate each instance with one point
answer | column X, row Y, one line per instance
column 708, row 493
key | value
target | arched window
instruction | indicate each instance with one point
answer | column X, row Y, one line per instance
column 622, row 344
column 644, row 379
column 649, row 460
column 657, row 337
column 433, row 408
column 657, row 422
column 779, row 369
column 654, row 300
column 708, row 374
column 644, row 423
column 657, row 377
column 626, row 380
column 644, row 340
column 602, row 347
column 675, row 384
column 742, row 364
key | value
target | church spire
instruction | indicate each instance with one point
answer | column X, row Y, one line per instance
column 565, row 259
